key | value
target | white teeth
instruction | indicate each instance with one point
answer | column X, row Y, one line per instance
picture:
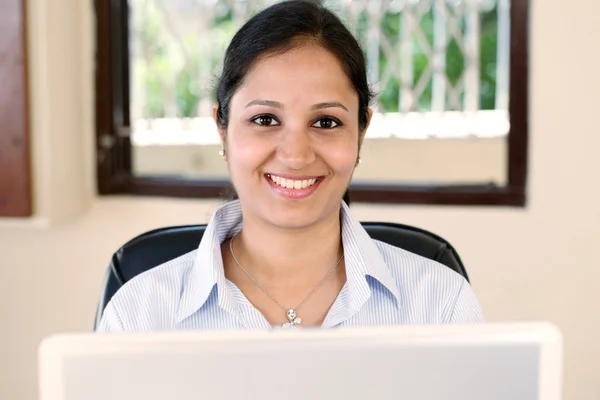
column 292, row 184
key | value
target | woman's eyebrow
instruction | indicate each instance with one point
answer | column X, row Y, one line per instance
column 268, row 103
column 328, row 104
column 276, row 104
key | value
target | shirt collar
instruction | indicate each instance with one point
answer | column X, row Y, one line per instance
column 362, row 259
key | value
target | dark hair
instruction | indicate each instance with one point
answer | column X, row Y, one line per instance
column 280, row 28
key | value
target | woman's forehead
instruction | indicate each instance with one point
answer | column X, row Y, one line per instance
column 307, row 71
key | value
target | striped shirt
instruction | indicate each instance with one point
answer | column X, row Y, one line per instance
column 384, row 285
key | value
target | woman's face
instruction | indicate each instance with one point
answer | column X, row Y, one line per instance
column 293, row 138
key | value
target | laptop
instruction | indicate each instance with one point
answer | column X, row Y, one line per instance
column 434, row 362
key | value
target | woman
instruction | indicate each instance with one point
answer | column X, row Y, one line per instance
column 292, row 111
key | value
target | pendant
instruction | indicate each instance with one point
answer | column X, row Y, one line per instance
column 294, row 320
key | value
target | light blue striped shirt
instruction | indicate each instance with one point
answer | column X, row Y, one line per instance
column 385, row 285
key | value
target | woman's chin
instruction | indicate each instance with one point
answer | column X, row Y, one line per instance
column 291, row 219
column 298, row 216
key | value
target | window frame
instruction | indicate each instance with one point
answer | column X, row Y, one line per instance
column 15, row 168
column 114, row 166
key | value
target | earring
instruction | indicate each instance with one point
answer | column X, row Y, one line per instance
column 222, row 152
column 359, row 161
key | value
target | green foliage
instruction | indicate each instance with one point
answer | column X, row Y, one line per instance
column 487, row 49
column 187, row 90
column 391, row 25
column 206, row 53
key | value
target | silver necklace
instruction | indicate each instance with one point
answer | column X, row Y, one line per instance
column 291, row 313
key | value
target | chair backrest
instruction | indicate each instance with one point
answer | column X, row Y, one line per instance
column 156, row 247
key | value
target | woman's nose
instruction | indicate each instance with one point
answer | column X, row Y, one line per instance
column 295, row 149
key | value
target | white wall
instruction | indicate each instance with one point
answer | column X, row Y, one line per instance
column 535, row 263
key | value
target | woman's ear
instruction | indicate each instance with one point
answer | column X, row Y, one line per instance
column 215, row 112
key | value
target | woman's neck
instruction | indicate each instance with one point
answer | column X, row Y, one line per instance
column 271, row 253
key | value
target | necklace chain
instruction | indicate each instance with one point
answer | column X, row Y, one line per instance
column 290, row 312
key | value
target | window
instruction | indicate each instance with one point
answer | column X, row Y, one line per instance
column 15, row 179
column 451, row 78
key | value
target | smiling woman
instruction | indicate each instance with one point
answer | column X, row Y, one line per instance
column 300, row 134
column 292, row 111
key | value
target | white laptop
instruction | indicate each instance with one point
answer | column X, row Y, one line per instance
column 447, row 362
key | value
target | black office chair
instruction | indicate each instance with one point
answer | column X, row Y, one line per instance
column 156, row 247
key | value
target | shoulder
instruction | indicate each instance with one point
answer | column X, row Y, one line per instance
column 429, row 285
column 407, row 266
column 146, row 300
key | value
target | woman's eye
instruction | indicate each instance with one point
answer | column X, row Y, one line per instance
column 265, row 120
column 326, row 123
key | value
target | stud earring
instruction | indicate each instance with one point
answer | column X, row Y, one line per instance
column 222, row 152
column 359, row 161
